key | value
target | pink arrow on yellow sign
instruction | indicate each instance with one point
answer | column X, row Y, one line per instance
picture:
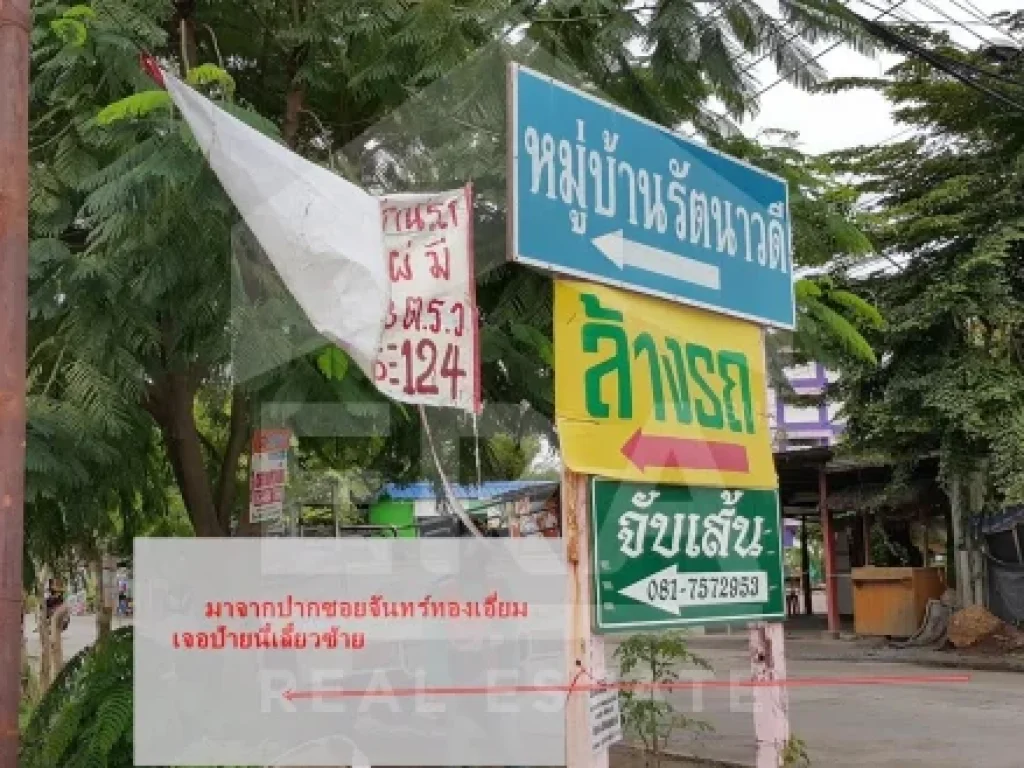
column 645, row 450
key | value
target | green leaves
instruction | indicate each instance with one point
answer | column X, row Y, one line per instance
column 948, row 204
column 70, row 31
column 211, row 74
column 70, row 26
column 867, row 313
column 137, row 105
column 831, row 323
column 85, row 718
column 657, row 658
column 140, row 294
column 533, row 339
column 333, row 363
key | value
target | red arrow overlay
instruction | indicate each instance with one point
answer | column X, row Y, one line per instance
column 799, row 682
column 645, row 450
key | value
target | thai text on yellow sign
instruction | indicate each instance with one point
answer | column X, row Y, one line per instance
column 650, row 390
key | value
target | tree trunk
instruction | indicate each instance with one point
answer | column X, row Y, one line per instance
column 57, row 640
column 26, row 669
column 294, row 104
column 171, row 404
column 186, row 33
column 176, row 417
column 43, row 628
column 103, row 611
column 238, row 439
column 295, row 99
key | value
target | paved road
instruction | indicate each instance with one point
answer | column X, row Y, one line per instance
column 80, row 633
column 973, row 725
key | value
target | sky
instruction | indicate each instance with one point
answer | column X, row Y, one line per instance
column 830, row 122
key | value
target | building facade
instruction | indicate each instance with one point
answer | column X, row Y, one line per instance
column 796, row 426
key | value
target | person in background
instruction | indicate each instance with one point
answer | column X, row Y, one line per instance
column 54, row 600
column 54, row 597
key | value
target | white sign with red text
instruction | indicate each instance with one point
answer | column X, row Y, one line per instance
column 268, row 475
column 350, row 651
column 429, row 352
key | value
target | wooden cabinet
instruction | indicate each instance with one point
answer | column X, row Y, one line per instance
column 892, row 601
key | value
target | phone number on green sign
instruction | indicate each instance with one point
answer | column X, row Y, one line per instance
column 708, row 588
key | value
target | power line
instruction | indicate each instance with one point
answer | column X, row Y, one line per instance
column 932, row 6
column 766, row 54
column 950, row 21
column 947, row 22
column 943, row 64
column 708, row 17
column 831, row 48
column 972, row 10
column 909, row 18
column 954, row 62
column 897, row 135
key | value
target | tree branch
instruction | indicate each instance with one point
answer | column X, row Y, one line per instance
column 208, row 444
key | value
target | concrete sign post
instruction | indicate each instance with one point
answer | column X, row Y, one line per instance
column 585, row 662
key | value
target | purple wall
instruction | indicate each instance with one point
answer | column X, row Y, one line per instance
column 821, row 430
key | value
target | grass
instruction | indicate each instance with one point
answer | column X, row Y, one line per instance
column 24, row 713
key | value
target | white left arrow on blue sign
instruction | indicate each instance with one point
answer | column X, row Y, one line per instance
column 623, row 252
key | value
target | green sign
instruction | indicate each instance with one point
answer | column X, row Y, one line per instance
column 672, row 555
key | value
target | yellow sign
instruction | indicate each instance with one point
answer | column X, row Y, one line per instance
column 650, row 390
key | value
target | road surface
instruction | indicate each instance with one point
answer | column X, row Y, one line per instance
column 978, row 724
column 971, row 725
column 80, row 633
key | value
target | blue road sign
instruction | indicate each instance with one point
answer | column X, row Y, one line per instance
column 602, row 194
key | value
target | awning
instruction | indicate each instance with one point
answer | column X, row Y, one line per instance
column 1006, row 520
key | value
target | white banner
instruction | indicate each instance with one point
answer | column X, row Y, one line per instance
column 429, row 352
column 318, row 230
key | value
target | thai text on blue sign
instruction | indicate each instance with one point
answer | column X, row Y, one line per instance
column 602, row 194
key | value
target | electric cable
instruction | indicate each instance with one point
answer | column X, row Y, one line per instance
column 972, row 10
column 929, row 4
column 943, row 64
column 829, row 49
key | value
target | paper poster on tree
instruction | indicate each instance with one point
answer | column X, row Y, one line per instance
column 268, row 475
column 429, row 352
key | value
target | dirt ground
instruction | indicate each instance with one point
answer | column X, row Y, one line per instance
column 623, row 757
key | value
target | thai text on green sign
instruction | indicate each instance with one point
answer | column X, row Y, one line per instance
column 677, row 555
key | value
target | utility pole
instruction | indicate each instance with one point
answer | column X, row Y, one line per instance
column 15, row 25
